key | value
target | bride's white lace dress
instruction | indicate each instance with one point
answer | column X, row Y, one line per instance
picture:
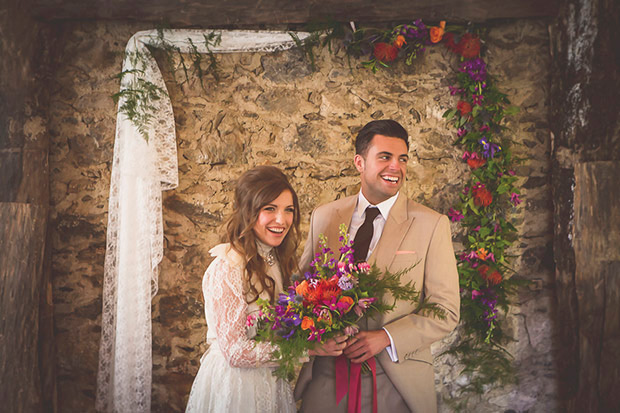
column 235, row 373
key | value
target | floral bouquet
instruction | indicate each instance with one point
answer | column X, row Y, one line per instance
column 327, row 301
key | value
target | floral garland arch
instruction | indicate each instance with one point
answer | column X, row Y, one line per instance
column 142, row 168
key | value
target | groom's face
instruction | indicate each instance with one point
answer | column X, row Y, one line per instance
column 383, row 168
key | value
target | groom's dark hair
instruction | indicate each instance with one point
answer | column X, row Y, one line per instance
column 385, row 127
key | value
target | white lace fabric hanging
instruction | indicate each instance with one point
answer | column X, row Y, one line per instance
column 141, row 170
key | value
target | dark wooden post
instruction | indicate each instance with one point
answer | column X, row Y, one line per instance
column 27, row 359
column 586, row 165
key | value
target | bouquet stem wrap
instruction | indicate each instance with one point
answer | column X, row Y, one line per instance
column 353, row 383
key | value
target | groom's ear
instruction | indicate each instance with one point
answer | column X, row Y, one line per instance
column 359, row 162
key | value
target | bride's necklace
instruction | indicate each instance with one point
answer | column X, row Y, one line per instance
column 270, row 258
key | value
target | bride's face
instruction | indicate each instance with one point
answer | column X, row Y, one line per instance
column 275, row 219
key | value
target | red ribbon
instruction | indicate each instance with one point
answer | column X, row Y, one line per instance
column 353, row 384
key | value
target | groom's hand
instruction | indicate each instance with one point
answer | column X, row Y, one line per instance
column 366, row 344
column 332, row 347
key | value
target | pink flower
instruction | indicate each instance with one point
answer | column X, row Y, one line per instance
column 461, row 132
column 491, row 257
column 477, row 228
column 466, row 155
column 484, row 128
column 250, row 320
column 455, row 215
column 514, row 198
column 511, row 172
column 363, row 267
column 316, row 334
column 351, row 330
column 475, row 294
column 471, row 256
column 363, row 304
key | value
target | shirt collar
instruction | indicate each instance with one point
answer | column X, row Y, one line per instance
column 384, row 207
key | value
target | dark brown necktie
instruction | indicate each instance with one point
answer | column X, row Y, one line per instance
column 364, row 235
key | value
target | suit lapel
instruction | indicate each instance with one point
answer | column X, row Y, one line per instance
column 395, row 229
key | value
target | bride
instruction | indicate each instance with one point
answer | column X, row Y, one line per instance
column 256, row 262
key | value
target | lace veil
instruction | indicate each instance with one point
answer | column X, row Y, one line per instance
column 141, row 169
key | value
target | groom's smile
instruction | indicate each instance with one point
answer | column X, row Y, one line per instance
column 383, row 168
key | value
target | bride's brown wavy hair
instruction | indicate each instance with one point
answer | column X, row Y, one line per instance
column 255, row 189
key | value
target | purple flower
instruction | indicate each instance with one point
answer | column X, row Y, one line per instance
column 454, row 90
column 488, row 149
column 289, row 334
column 475, row 68
column 514, row 198
column 455, row 215
column 477, row 99
column 345, row 283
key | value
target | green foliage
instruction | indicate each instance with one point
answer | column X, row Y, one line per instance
column 139, row 95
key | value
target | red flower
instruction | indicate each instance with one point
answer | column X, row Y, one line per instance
column 482, row 196
column 469, row 46
column 475, row 161
column 449, row 40
column 463, row 107
column 492, row 278
column 385, row 52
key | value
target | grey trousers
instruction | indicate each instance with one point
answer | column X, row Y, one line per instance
column 320, row 394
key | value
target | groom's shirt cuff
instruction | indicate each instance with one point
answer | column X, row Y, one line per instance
column 391, row 349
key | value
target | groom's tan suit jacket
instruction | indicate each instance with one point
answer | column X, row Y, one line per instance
column 412, row 234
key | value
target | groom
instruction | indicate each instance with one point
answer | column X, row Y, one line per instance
column 394, row 233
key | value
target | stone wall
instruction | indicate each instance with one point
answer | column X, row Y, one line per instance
column 271, row 108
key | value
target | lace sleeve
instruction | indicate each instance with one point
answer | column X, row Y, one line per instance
column 225, row 302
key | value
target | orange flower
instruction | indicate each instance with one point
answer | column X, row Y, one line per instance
column 400, row 40
column 385, row 52
column 348, row 301
column 482, row 253
column 302, row 288
column 437, row 32
column 306, row 323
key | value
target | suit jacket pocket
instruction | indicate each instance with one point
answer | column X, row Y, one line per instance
column 423, row 356
column 404, row 261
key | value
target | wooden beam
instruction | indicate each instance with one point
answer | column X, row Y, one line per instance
column 246, row 13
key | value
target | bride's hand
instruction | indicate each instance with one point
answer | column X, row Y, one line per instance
column 332, row 347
